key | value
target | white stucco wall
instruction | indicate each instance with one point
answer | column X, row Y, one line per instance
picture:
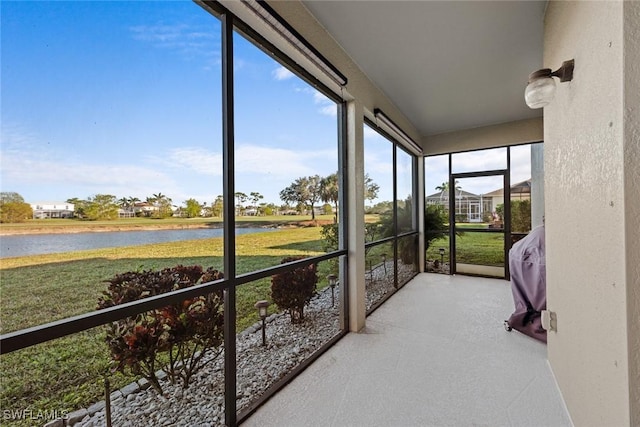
column 632, row 196
column 537, row 185
column 587, row 183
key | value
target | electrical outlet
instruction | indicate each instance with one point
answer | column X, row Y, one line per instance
column 549, row 320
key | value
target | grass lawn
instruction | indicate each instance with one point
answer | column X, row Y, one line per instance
column 472, row 248
column 67, row 373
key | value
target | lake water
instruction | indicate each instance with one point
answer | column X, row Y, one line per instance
column 35, row 244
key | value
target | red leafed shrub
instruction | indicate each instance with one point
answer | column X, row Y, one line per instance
column 292, row 290
column 186, row 332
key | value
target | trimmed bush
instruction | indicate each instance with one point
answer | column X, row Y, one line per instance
column 186, row 332
column 520, row 215
column 292, row 290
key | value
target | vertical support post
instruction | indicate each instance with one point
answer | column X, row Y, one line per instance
column 507, row 215
column 343, row 215
column 452, row 220
column 229, row 221
column 355, row 221
column 395, row 214
column 420, row 206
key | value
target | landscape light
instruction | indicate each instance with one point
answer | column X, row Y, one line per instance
column 262, row 307
column 333, row 281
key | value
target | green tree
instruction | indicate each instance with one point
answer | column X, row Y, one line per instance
column 217, row 207
column 193, row 208
column 329, row 192
column 255, row 198
column 79, row 206
column 444, row 189
column 242, row 198
column 13, row 208
column 405, row 218
column 11, row 197
column 131, row 204
column 520, row 215
column 370, row 188
column 102, row 207
column 435, row 224
column 303, row 191
column 380, row 208
column 162, row 204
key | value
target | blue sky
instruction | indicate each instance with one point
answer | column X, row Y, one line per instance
column 124, row 98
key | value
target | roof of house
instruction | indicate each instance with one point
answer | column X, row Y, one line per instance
column 519, row 188
column 445, row 196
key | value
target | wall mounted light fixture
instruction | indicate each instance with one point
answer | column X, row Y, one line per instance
column 542, row 87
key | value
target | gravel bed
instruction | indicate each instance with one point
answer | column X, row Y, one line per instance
column 435, row 266
column 258, row 367
column 379, row 281
column 202, row 404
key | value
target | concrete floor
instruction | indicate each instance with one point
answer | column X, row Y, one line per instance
column 435, row 354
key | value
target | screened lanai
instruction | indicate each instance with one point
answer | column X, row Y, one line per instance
column 312, row 107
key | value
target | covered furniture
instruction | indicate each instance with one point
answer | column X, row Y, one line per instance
column 528, row 285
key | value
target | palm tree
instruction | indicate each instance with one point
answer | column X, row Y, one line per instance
column 444, row 189
column 123, row 203
column 158, row 198
column 132, row 204
column 255, row 198
column 329, row 192
column 162, row 204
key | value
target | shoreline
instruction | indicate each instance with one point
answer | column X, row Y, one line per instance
column 75, row 229
column 98, row 229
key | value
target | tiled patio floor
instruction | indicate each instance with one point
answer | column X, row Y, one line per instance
column 435, row 354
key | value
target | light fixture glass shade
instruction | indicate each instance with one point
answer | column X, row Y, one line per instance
column 540, row 92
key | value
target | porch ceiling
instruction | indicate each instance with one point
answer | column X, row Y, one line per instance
column 447, row 65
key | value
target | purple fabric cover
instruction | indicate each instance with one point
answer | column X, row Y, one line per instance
column 528, row 284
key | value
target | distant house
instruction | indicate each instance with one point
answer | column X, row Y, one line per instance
column 126, row 213
column 46, row 210
column 469, row 207
column 144, row 209
column 519, row 191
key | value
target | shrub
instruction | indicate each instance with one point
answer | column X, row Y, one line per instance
column 330, row 240
column 186, row 332
column 520, row 215
column 13, row 208
column 293, row 289
column 435, row 224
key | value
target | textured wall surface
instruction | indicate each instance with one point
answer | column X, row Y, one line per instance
column 585, row 212
column 632, row 195
column 537, row 185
